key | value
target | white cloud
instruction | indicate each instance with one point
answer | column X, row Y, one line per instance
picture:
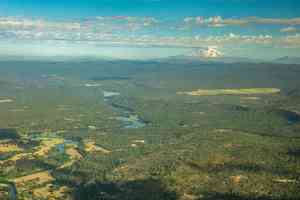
column 283, row 21
column 15, row 23
column 288, row 29
column 138, row 31
column 290, row 41
column 218, row 21
column 188, row 19
column 113, row 23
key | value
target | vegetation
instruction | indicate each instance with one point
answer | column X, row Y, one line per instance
column 61, row 139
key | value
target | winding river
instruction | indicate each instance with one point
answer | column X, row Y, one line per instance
column 128, row 117
column 12, row 190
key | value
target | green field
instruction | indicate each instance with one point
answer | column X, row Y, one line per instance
column 242, row 91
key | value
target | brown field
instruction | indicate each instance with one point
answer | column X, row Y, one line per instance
column 46, row 145
column 92, row 147
column 38, row 178
column 21, row 156
column 73, row 154
column 18, row 157
column 49, row 193
column 9, row 147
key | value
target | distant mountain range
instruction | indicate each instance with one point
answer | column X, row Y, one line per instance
column 180, row 59
column 55, row 58
column 185, row 59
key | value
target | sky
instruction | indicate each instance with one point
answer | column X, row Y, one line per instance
column 147, row 29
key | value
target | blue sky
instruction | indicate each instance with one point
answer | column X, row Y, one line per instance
column 166, row 8
column 262, row 29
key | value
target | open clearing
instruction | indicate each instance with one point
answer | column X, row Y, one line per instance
column 6, row 100
column 73, row 154
column 47, row 145
column 246, row 91
column 38, row 178
column 49, row 192
column 4, row 148
column 92, row 147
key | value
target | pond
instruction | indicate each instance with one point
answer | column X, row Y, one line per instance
column 8, row 133
column 132, row 121
column 61, row 147
column 292, row 117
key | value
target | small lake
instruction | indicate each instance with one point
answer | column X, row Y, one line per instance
column 61, row 147
column 132, row 121
column 291, row 116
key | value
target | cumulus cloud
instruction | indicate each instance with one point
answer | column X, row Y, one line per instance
column 218, row 21
column 290, row 21
column 141, row 31
column 289, row 29
column 290, row 41
column 98, row 23
column 236, row 39
column 15, row 23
